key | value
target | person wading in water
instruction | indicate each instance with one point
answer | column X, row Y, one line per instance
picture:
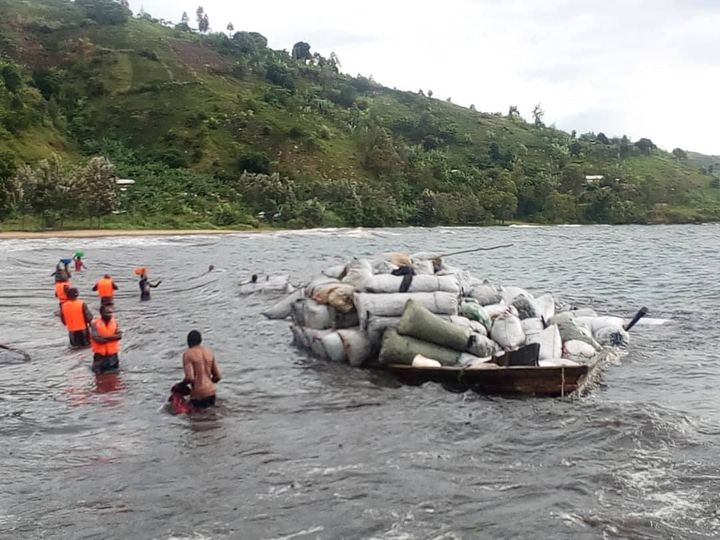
column 105, row 288
column 76, row 316
column 201, row 371
column 105, row 336
column 145, row 286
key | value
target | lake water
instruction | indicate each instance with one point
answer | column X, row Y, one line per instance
column 302, row 449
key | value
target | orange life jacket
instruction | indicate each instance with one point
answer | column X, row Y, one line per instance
column 73, row 312
column 105, row 288
column 60, row 293
column 105, row 330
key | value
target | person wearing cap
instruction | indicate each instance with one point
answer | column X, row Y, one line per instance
column 201, row 372
column 76, row 317
column 105, row 336
column 105, row 287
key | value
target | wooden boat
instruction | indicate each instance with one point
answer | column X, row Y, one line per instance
column 530, row 381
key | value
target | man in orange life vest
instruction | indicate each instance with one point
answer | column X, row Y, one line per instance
column 105, row 288
column 105, row 338
column 76, row 316
column 62, row 283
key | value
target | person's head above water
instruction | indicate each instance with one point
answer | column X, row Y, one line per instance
column 106, row 312
column 194, row 338
column 72, row 293
column 253, row 278
column 107, row 276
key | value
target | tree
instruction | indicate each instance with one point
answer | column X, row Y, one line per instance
column 679, row 153
column 421, row 93
column 10, row 76
column 572, row 180
column 98, row 187
column 575, row 149
column 301, row 51
column 449, row 100
column 204, row 24
column 602, row 138
column 501, row 204
column 230, row 28
column 538, row 114
column 513, row 112
column 125, row 3
column 560, row 208
column 472, row 108
column 199, row 15
column 646, row 146
column 105, row 11
column 430, row 93
column 185, row 19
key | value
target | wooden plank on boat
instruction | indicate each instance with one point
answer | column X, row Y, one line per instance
column 507, row 381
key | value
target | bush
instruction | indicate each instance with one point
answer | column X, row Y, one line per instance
column 254, row 162
column 105, row 11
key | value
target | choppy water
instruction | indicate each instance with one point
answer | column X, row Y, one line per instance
column 302, row 449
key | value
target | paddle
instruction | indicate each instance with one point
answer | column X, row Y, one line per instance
column 476, row 249
column 639, row 315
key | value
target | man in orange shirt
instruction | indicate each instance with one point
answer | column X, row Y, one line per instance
column 62, row 284
column 105, row 336
column 76, row 316
column 105, row 288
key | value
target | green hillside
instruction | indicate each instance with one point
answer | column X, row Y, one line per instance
column 216, row 129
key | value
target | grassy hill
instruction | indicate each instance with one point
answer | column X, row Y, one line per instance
column 216, row 129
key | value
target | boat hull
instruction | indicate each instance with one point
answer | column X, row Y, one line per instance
column 507, row 381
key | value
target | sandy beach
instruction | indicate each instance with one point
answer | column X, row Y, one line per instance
column 100, row 233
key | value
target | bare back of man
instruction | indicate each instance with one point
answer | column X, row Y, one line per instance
column 201, row 371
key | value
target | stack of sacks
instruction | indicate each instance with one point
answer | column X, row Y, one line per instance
column 400, row 307
column 422, row 333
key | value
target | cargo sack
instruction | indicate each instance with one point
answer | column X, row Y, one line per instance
column 398, row 259
column 562, row 318
column 356, row 345
column 375, row 328
column 397, row 349
column 310, row 314
column 475, row 326
column 507, row 331
column 283, row 308
column 532, row 326
column 545, row 307
column 316, row 286
column 569, row 331
column 476, row 312
column 271, row 284
column 612, row 336
column 418, row 322
column 584, row 312
column 423, row 267
column 357, row 272
column 334, row 272
column 481, row 346
column 310, row 338
column 578, row 348
column 387, row 283
column 383, row 267
column 486, row 294
column 393, row 305
column 340, row 297
column 421, row 362
column 510, row 293
column 525, row 307
column 334, row 348
column 495, row 310
column 344, row 320
column 549, row 341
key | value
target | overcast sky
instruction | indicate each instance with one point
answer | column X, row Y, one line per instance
column 645, row 68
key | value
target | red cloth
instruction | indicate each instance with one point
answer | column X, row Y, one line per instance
column 179, row 405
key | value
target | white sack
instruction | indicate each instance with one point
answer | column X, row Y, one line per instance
column 423, row 283
column 481, row 346
column 393, row 305
column 550, row 343
column 308, row 313
column 562, row 317
column 423, row 362
column 356, row 345
column 486, row 294
column 283, row 308
column 510, row 293
column 333, row 345
column 495, row 310
column 532, row 326
column 357, row 272
column 475, row 326
column 545, row 306
column 507, row 332
column 575, row 347
column 334, row 271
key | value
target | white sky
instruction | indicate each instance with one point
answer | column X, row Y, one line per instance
column 645, row 68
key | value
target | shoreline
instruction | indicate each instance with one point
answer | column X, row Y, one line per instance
column 105, row 233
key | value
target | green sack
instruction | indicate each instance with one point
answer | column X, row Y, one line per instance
column 397, row 349
column 475, row 312
column 418, row 322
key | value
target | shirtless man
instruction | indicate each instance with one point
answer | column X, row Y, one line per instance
column 201, row 371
